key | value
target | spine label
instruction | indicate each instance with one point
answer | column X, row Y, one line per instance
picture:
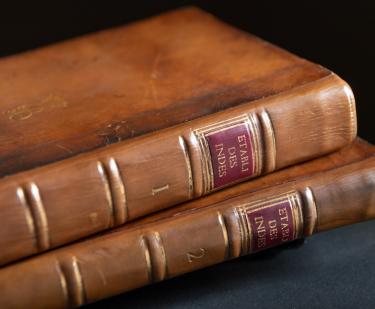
column 271, row 222
column 230, row 150
column 271, row 226
column 231, row 153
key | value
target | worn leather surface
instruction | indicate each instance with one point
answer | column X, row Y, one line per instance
column 340, row 269
column 333, row 269
column 308, row 114
column 131, row 80
column 134, row 256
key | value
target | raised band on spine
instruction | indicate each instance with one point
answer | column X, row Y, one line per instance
column 28, row 216
column 36, row 216
column 115, row 190
column 269, row 142
column 71, row 281
column 146, row 249
column 224, row 229
column 309, row 211
column 185, row 150
column 80, row 295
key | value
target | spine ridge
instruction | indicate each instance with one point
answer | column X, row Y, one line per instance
column 146, row 248
column 30, row 197
column 232, row 226
column 186, row 151
column 309, row 210
column 72, row 282
column 227, row 241
column 269, row 141
column 115, row 190
column 352, row 111
column 155, row 256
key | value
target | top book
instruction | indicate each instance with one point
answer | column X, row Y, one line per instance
column 89, row 92
column 268, row 110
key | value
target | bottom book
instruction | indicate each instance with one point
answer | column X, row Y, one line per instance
column 316, row 196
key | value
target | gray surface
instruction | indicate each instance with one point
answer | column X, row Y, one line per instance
column 335, row 269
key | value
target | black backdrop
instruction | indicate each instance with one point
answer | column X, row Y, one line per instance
column 331, row 270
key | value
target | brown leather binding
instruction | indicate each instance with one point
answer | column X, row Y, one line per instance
column 125, row 82
column 334, row 192
column 358, row 150
column 64, row 201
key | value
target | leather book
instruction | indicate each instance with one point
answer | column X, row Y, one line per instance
column 252, row 109
column 101, row 88
column 297, row 202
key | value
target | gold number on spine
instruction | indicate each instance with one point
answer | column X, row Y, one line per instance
column 161, row 189
column 198, row 254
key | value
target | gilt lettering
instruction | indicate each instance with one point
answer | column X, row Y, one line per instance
column 229, row 158
column 158, row 190
column 221, row 160
column 243, row 153
column 284, row 218
column 200, row 253
column 261, row 231
column 24, row 112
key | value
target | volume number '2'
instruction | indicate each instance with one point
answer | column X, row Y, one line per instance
column 198, row 254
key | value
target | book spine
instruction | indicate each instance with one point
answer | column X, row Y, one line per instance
column 130, row 258
column 58, row 203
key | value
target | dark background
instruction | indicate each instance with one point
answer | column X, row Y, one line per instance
column 331, row 270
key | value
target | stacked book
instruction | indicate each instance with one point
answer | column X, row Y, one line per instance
column 249, row 147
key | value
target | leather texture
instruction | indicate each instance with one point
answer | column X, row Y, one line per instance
column 283, row 110
column 73, row 198
column 331, row 191
column 124, row 82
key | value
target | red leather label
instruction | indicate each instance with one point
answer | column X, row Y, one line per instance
column 232, row 154
column 271, row 225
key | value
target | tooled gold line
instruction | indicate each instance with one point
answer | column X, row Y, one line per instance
column 247, row 227
column 273, row 200
column 253, row 140
column 244, row 233
column 204, row 160
column 208, row 159
column 222, row 124
column 225, row 128
column 258, row 151
column 201, row 159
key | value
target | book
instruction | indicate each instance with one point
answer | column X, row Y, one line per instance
column 337, row 190
column 88, row 92
column 60, row 202
column 356, row 151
